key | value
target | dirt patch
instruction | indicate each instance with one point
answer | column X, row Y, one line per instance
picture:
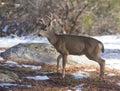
column 56, row 83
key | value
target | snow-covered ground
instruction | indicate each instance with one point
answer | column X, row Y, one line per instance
column 13, row 85
column 38, row 77
column 6, row 42
column 13, row 64
column 111, row 54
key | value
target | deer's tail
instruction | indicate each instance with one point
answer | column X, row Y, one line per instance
column 101, row 46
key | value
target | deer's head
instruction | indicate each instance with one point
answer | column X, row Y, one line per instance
column 46, row 28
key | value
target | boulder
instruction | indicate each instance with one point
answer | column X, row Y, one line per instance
column 34, row 52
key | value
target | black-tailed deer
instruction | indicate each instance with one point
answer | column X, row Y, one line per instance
column 74, row 45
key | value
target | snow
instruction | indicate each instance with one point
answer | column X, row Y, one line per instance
column 110, row 41
column 79, row 87
column 13, row 85
column 13, row 64
column 113, row 63
column 7, row 84
column 6, row 42
column 31, row 66
column 89, row 70
column 111, row 74
column 80, row 75
column 5, row 28
column 38, row 77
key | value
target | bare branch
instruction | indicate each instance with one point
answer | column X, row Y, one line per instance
column 76, row 18
column 67, row 9
column 33, row 5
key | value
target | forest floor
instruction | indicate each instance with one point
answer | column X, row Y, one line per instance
column 111, row 81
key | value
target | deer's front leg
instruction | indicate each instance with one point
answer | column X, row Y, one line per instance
column 64, row 65
column 58, row 62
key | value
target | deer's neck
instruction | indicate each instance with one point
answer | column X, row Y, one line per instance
column 52, row 37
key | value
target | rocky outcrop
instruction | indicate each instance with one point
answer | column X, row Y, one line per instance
column 35, row 52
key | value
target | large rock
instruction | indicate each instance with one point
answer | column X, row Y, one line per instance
column 35, row 52
column 40, row 52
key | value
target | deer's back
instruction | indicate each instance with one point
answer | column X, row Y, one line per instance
column 75, row 45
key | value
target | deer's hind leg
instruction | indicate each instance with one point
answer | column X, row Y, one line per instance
column 100, row 61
